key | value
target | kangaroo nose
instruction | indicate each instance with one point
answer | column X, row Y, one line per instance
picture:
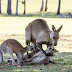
column 49, row 54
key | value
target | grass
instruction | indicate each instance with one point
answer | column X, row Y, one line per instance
column 63, row 60
column 37, row 14
column 14, row 27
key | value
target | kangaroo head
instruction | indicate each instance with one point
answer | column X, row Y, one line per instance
column 50, row 49
column 56, row 34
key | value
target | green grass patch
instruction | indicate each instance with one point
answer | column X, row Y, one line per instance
column 63, row 64
column 38, row 14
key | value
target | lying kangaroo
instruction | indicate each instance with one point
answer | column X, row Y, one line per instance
column 38, row 33
column 12, row 46
column 32, row 53
column 40, row 57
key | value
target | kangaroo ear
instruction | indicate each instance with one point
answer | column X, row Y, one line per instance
column 53, row 28
column 59, row 28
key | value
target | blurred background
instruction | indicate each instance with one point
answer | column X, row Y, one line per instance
column 36, row 8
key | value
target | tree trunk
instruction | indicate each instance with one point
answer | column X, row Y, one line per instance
column 46, row 5
column 58, row 12
column 9, row 8
column 42, row 6
column 0, row 7
column 17, row 8
column 24, row 7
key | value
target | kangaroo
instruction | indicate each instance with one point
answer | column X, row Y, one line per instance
column 39, row 57
column 13, row 46
column 38, row 33
column 32, row 53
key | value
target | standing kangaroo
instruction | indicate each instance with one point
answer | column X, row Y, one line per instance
column 13, row 46
column 38, row 33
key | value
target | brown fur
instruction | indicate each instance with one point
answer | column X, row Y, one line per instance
column 39, row 57
column 38, row 33
column 56, row 34
column 34, row 28
column 13, row 46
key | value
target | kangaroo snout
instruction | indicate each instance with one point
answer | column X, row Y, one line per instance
column 55, row 44
column 49, row 54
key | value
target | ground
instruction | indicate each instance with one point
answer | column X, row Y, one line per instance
column 14, row 27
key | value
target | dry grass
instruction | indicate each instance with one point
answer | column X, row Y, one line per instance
column 14, row 27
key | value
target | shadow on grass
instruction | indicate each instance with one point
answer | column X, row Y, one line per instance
column 63, row 60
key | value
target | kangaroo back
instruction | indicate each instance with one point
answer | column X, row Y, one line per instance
column 35, row 29
column 13, row 46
